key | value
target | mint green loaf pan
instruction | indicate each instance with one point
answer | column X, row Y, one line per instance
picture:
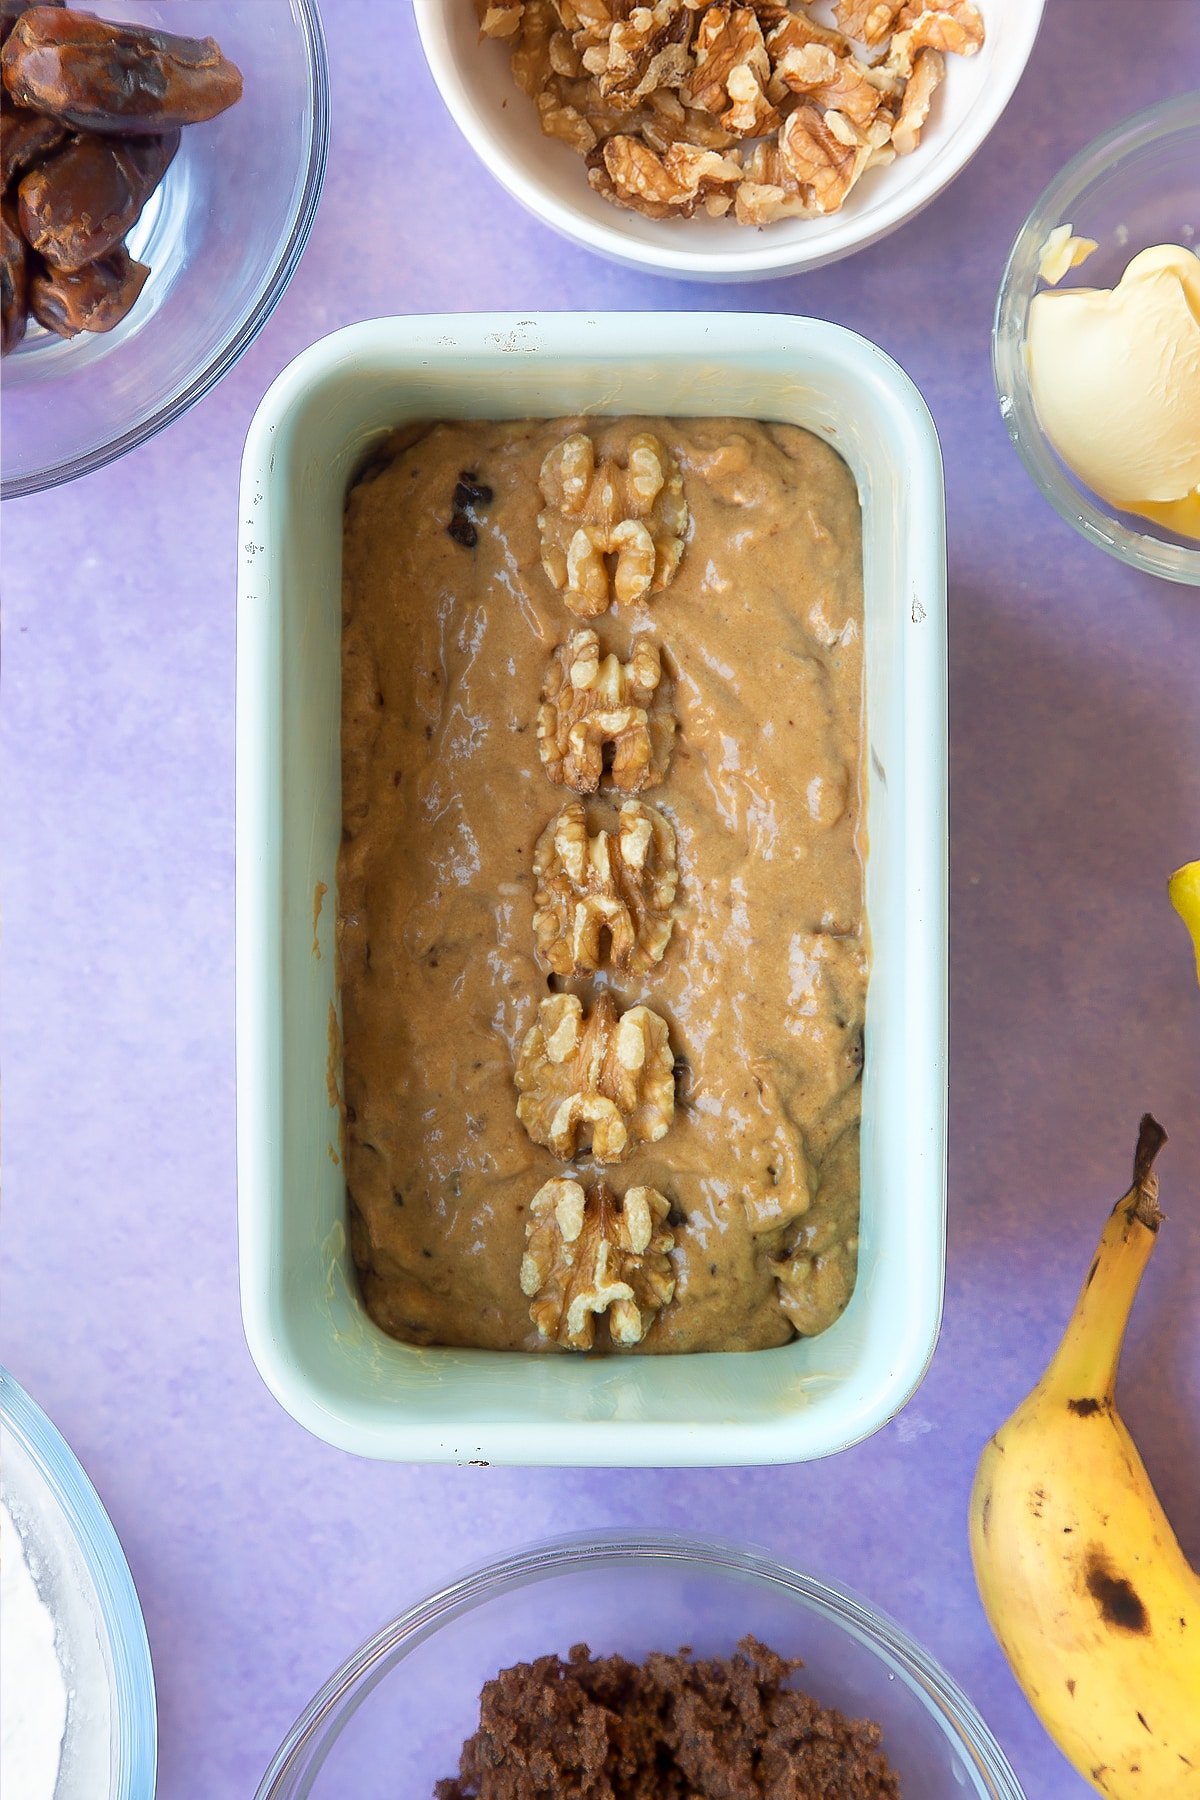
column 317, row 1350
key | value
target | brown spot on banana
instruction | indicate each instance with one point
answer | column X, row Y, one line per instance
column 1120, row 1604
column 1085, row 1409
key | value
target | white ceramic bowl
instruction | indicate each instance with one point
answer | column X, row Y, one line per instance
column 501, row 125
column 308, row 1331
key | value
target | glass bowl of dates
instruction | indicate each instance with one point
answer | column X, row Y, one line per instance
column 642, row 1665
column 162, row 165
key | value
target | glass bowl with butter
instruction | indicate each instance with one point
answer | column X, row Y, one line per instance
column 1096, row 342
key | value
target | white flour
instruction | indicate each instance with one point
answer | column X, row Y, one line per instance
column 33, row 1713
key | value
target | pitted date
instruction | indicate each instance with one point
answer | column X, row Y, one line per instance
column 26, row 138
column 90, row 117
column 123, row 79
column 92, row 299
column 14, row 262
column 11, row 10
column 75, row 207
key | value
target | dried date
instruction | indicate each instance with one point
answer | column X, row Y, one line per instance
column 94, row 298
column 11, row 11
column 14, row 261
column 26, row 138
column 121, row 79
column 81, row 203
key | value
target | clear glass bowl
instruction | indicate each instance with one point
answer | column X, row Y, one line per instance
column 222, row 236
column 407, row 1700
column 1137, row 185
column 110, row 1744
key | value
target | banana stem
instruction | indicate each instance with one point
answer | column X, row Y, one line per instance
column 1085, row 1365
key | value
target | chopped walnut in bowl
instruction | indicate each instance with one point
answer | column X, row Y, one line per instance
column 757, row 111
column 605, row 900
column 591, row 1254
column 604, row 720
column 604, row 1081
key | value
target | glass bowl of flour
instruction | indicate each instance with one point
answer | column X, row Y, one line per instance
column 78, row 1721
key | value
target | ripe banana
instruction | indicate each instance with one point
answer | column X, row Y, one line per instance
column 1184, row 890
column 1080, row 1574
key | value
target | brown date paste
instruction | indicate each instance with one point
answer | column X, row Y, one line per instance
column 670, row 1728
column 450, row 621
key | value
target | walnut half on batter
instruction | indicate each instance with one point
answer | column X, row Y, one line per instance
column 601, row 717
column 589, row 1253
column 620, row 883
column 604, row 1082
column 611, row 533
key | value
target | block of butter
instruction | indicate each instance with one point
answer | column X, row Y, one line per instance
column 1115, row 377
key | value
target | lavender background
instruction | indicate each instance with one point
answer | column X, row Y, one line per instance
column 263, row 1556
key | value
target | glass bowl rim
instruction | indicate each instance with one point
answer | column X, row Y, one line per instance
column 133, row 1692
column 228, row 352
column 1140, row 549
column 941, row 1695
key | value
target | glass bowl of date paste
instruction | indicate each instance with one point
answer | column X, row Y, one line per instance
column 1090, row 246
column 221, row 235
column 401, row 1709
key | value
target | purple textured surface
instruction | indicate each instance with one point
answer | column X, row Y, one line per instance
column 262, row 1556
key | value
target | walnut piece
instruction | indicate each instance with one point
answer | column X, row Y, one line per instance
column 770, row 191
column 671, row 185
column 501, row 18
column 815, row 1276
column 831, row 83
column 731, row 71
column 590, row 1253
column 633, row 56
column 604, row 1082
column 814, row 1287
column 929, row 71
column 870, row 21
column 797, row 29
column 597, row 512
column 597, row 710
column 756, row 111
column 952, row 26
column 821, row 165
column 618, row 883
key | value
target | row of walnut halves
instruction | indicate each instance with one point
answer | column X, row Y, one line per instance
column 601, row 1080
